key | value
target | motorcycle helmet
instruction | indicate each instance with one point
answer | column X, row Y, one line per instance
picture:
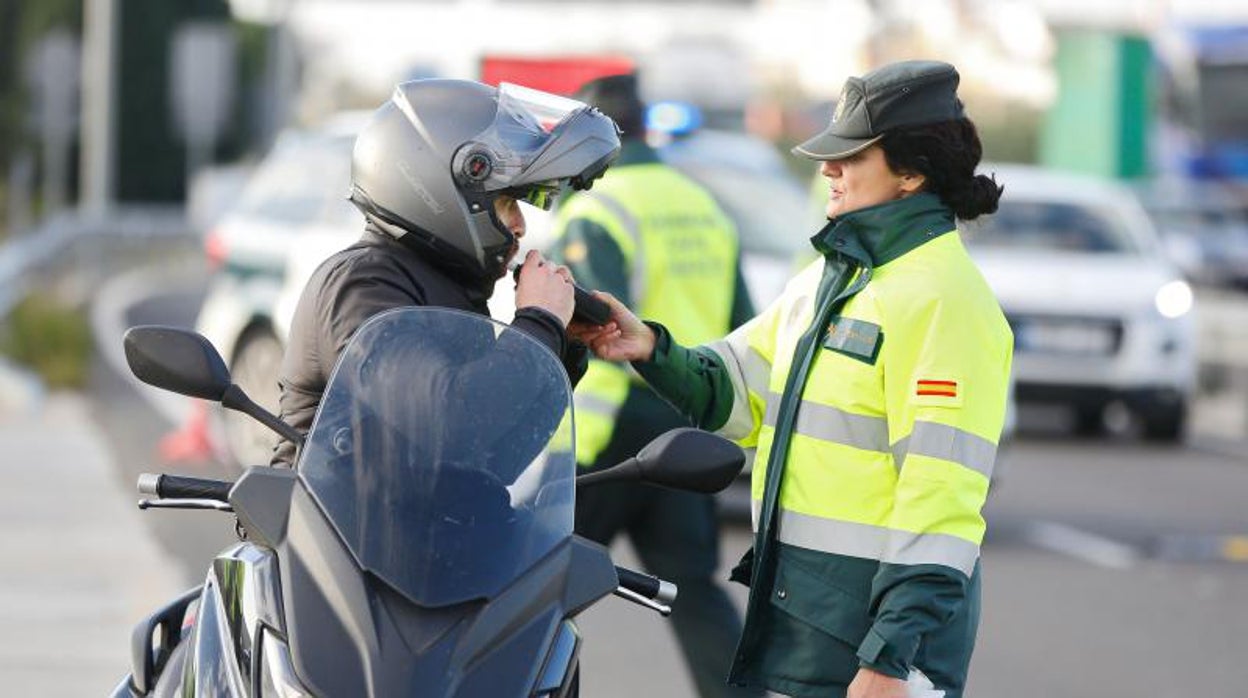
column 429, row 163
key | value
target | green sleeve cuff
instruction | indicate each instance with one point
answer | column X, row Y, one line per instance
column 908, row 603
column 889, row 658
column 660, row 371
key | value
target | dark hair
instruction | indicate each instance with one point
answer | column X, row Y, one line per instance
column 946, row 154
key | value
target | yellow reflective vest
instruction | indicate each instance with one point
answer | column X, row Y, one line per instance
column 679, row 251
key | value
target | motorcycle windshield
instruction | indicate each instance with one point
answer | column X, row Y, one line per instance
column 439, row 456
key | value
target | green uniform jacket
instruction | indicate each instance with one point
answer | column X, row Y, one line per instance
column 897, row 354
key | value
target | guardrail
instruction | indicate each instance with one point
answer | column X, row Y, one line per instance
column 25, row 254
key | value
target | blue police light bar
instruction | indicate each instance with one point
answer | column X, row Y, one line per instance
column 673, row 118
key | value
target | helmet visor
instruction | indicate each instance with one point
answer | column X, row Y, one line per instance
column 526, row 123
column 534, row 110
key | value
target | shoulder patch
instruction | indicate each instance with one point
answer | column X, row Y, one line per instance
column 942, row 391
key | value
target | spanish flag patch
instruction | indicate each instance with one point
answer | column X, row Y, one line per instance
column 937, row 392
column 925, row 386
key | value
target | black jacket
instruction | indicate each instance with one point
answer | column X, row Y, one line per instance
column 375, row 274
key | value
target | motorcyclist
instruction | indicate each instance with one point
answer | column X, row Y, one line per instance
column 439, row 171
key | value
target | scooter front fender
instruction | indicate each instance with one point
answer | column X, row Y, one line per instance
column 240, row 601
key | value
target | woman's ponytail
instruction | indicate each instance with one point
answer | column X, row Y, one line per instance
column 946, row 154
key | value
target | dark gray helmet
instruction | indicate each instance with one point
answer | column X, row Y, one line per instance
column 430, row 162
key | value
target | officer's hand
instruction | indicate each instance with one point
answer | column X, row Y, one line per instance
column 547, row 286
column 623, row 338
column 872, row 684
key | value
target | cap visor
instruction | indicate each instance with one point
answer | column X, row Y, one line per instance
column 826, row 146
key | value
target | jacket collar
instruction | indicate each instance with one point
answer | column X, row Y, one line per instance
column 886, row 231
column 420, row 265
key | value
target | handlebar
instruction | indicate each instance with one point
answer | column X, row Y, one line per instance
column 183, row 487
column 645, row 585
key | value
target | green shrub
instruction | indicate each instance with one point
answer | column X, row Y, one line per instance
column 51, row 338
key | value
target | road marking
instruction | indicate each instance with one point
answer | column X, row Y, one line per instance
column 1067, row 540
column 108, row 314
column 1232, row 548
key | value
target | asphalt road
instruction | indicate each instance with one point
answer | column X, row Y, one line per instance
column 1113, row 568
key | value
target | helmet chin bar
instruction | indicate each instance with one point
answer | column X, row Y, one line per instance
column 494, row 257
column 480, row 203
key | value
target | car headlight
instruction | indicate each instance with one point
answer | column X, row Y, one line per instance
column 1174, row 299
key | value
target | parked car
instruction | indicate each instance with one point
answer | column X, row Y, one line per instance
column 296, row 193
column 1100, row 314
column 294, row 214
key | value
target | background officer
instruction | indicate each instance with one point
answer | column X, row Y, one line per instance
column 658, row 241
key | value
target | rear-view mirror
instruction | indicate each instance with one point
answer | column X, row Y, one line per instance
column 684, row 459
column 184, row 362
column 177, row 360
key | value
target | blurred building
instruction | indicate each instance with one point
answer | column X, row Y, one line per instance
column 771, row 66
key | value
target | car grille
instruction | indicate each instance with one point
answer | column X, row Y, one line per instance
column 1057, row 335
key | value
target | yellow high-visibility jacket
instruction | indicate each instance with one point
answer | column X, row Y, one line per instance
column 875, row 393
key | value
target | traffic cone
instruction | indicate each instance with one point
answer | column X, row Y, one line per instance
column 190, row 442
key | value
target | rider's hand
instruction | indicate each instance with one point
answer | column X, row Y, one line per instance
column 872, row 684
column 547, row 286
column 623, row 338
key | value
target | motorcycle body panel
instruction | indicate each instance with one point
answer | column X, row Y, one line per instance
column 356, row 637
column 424, row 544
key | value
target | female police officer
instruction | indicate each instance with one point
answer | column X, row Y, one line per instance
column 874, row 391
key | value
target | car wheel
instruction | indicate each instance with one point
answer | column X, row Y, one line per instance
column 255, row 367
column 1165, row 423
column 1089, row 420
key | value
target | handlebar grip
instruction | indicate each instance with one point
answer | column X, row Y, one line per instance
column 650, row 587
column 588, row 307
column 183, row 487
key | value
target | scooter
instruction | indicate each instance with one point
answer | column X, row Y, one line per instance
column 421, row 546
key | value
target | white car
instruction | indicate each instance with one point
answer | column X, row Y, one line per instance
column 294, row 213
column 298, row 192
column 1100, row 314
